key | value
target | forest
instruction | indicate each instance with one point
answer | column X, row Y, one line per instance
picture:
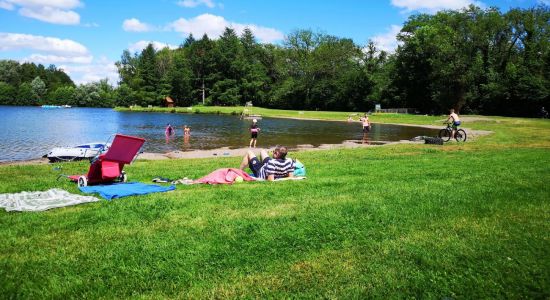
column 478, row 61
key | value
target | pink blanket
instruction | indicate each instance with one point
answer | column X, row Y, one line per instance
column 224, row 176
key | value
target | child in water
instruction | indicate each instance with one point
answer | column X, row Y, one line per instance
column 254, row 129
column 186, row 130
column 169, row 130
column 366, row 123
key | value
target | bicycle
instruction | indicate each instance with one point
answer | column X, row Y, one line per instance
column 445, row 133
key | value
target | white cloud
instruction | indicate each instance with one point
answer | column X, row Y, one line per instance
column 138, row 46
column 73, row 57
column 101, row 69
column 433, row 5
column 57, row 59
column 64, row 47
column 264, row 34
column 195, row 3
column 136, row 25
column 214, row 26
column 545, row 2
column 6, row 5
column 387, row 41
column 51, row 15
column 50, row 11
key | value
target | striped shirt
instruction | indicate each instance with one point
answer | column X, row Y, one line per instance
column 277, row 167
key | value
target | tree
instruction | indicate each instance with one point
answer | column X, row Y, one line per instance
column 202, row 61
column 8, row 94
column 189, row 41
column 10, row 72
column 63, row 95
column 25, row 95
column 475, row 59
column 38, row 89
column 254, row 80
column 181, row 80
column 127, row 68
column 125, row 96
column 88, row 95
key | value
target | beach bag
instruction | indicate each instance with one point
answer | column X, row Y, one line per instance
column 299, row 168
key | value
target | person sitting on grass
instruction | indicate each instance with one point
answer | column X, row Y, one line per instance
column 456, row 121
column 269, row 168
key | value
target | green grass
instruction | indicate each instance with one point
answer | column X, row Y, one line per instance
column 267, row 112
column 401, row 221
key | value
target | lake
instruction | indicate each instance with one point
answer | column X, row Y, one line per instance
column 30, row 132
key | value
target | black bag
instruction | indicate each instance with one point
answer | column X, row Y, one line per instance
column 433, row 140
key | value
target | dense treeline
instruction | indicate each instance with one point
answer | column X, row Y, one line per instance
column 475, row 60
column 310, row 71
column 31, row 84
column 26, row 84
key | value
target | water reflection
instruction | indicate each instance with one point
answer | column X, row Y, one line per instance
column 365, row 140
column 186, row 145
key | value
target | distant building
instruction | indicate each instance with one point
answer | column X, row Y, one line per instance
column 169, row 102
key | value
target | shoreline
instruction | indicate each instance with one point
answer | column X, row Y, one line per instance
column 237, row 152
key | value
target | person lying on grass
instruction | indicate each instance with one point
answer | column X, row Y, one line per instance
column 269, row 168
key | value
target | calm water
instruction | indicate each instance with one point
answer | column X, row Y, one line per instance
column 30, row 132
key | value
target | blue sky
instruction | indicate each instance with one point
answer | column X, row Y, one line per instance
column 86, row 37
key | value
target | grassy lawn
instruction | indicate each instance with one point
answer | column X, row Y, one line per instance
column 400, row 221
column 267, row 112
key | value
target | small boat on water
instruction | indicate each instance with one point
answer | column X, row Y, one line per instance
column 56, row 106
column 84, row 151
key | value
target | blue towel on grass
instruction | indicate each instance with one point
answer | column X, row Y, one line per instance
column 124, row 189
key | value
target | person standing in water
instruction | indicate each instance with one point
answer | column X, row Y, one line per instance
column 366, row 123
column 254, row 129
column 186, row 130
column 169, row 131
column 186, row 135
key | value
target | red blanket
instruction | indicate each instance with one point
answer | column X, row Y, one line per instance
column 224, row 176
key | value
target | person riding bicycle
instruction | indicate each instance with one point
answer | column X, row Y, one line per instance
column 543, row 113
column 456, row 121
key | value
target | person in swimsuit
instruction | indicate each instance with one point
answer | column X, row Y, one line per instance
column 186, row 130
column 169, row 130
column 254, row 129
column 456, row 121
column 366, row 123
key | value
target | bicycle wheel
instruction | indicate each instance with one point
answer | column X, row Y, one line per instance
column 460, row 135
column 445, row 135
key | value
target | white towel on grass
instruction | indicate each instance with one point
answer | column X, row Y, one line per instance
column 40, row 201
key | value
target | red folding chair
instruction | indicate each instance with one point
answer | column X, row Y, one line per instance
column 108, row 167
